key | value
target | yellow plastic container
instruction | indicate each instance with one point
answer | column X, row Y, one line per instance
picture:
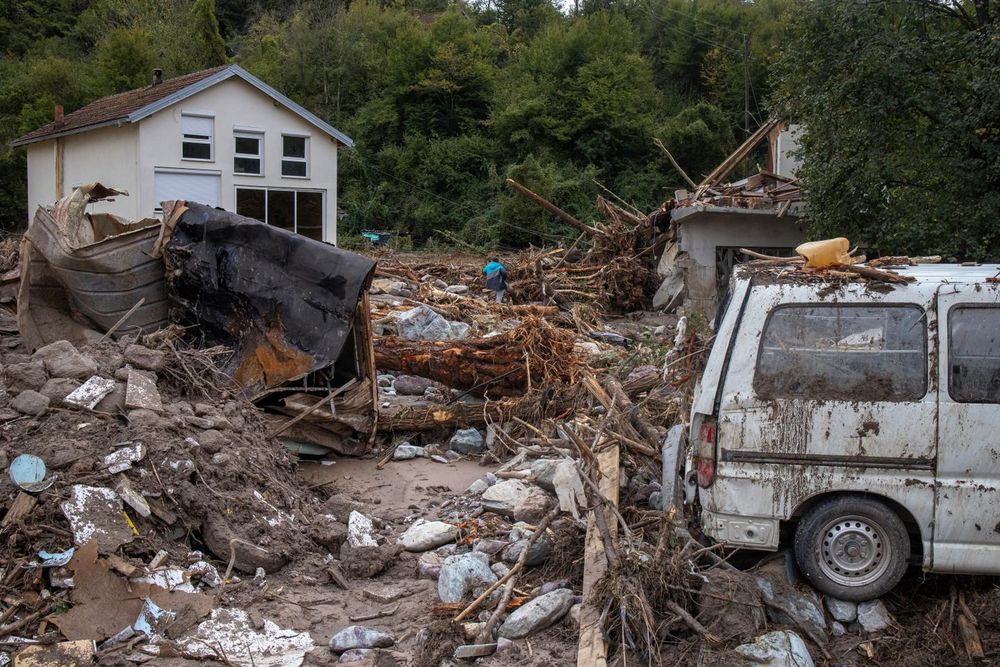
column 822, row 254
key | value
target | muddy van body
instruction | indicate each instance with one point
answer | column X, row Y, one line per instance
column 857, row 422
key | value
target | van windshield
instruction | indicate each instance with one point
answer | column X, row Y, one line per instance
column 843, row 352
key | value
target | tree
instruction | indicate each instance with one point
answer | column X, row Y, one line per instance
column 208, row 47
column 901, row 107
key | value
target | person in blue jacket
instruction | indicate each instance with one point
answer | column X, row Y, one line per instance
column 496, row 278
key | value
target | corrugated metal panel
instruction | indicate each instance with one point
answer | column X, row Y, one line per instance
column 100, row 282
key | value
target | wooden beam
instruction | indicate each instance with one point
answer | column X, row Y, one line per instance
column 734, row 158
column 592, row 650
column 676, row 166
column 551, row 208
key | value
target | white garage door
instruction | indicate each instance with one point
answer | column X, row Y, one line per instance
column 204, row 188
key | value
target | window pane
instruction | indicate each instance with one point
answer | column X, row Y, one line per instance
column 281, row 209
column 246, row 165
column 248, row 145
column 197, row 151
column 294, row 146
column 310, row 214
column 863, row 353
column 293, row 168
column 974, row 349
column 250, row 203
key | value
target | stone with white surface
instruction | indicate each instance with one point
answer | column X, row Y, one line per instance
column 426, row 535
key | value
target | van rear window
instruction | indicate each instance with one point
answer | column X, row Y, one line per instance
column 974, row 354
column 843, row 352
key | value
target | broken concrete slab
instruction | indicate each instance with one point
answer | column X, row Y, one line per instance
column 245, row 644
column 473, row 651
column 132, row 498
column 95, row 514
column 141, row 392
column 122, row 458
column 90, row 393
column 144, row 358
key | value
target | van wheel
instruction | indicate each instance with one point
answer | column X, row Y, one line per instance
column 852, row 548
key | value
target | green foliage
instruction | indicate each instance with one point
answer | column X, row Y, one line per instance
column 206, row 41
column 902, row 150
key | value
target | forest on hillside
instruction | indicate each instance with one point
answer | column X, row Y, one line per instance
column 447, row 98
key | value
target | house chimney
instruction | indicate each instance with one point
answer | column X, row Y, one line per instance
column 157, row 76
column 59, row 114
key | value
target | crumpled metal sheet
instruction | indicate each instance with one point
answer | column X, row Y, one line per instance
column 285, row 303
column 80, row 273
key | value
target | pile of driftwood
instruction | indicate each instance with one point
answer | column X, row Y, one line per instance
column 610, row 265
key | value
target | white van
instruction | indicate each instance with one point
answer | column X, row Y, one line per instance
column 857, row 422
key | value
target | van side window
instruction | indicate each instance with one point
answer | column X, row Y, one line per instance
column 974, row 354
column 843, row 352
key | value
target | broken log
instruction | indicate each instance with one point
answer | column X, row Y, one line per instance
column 552, row 208
column 494, row 366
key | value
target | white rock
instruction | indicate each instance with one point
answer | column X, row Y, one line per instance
column 537, row 615
column 426, row 535
column 504, row 497
column 360, row 636
column 360, row 531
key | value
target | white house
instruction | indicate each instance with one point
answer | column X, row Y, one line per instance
column 220, row 137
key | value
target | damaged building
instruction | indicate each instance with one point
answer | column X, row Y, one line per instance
column 712, row 220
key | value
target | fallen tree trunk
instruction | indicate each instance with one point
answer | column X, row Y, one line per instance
column 496, row 366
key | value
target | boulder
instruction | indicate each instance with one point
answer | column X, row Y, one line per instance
column 538, row 553
column 873, row 616
column 457, row 289
column 534, row 506
column 360, row 636
column 467, row 441
column 423, row 323
column 537, row 615
column 412, row 385
column 142, row 357
column 477, row 487
column 462, row 573
column 782, row 648
column 543, row 471
column 426, row 535
column 803, row 608
column 504, row 497
column 405, row 451
column 28, row 375
column 62, row 359
column 30, row 402
column 430, row 562
column 841, row 610
column 57, row 389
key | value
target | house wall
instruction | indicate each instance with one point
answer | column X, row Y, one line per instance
column 236, row 104
column 105, row 155
column 702, row 232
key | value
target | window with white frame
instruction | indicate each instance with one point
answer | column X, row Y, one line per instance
column 294, row 156
column 248, row 153
column 198, row 132
column 300, row 211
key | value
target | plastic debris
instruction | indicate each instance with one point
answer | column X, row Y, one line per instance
column 28, row 472
column 56, row 559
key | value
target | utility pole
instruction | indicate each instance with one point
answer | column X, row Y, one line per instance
column 746, row 84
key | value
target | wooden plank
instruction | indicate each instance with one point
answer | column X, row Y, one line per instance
column 592, row 651
column 20, row 508
column 735, row 158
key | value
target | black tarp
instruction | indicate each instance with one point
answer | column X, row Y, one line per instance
column 285, row 303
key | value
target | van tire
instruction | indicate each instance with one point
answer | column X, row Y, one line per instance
column 852, row 548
